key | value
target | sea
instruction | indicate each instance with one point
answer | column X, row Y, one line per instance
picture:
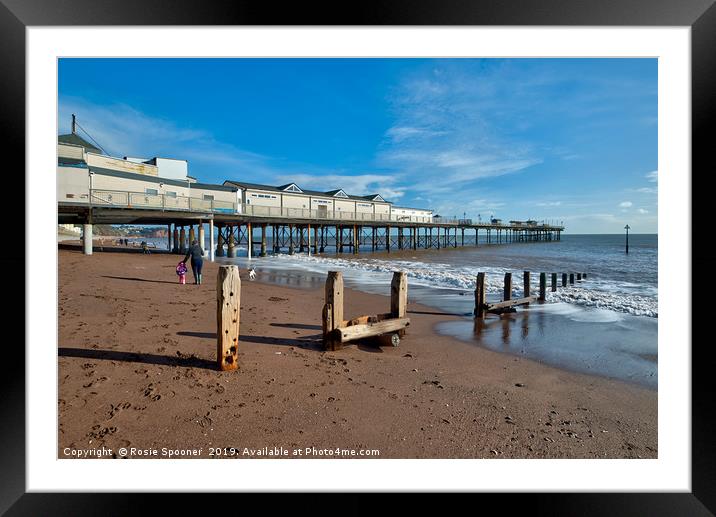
column 604, row 325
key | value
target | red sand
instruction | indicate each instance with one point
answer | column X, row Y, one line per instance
column 136, row 369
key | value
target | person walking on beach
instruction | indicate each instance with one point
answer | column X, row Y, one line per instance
column 196, row 254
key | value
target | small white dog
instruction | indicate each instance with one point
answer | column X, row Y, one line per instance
column 252, row 274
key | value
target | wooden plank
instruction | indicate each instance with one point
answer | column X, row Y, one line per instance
column 510, row 303
column 228, row 304
column 345, row 334
column 508, row 286
column 480, row 299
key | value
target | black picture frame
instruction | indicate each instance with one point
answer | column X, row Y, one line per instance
column 17, row 15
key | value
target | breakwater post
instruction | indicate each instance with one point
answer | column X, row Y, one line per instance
column 228, row 306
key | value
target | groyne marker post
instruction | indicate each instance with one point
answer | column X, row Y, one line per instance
column 508, row 287
column 399, row 297
column 333, row 309
column 480, row 296
column 228, row 305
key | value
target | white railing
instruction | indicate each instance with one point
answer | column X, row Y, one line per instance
column 332, row 215
column 140, row 200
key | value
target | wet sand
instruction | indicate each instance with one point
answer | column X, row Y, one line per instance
column 136, row 369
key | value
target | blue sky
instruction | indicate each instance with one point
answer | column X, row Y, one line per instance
column 571, row 140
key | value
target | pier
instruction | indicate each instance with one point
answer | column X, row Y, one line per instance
column 291, row 230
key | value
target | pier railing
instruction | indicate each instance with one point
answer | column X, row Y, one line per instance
column 142, row 200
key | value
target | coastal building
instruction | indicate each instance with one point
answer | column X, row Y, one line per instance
column 291, row 200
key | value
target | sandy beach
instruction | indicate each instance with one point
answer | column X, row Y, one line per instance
column 136, row 354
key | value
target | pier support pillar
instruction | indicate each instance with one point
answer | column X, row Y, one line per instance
column 290, row 239
column 231, row 251
column 250, row 240
column 175, row 247
column 387, row 239
column 315, row 239
column 438, row 230
column 211, row 240
column 219, row 240
column 169, row 237
column 356, row 239
column 263, row 240
column 182, row 241
column 202, row 235
column 192, row 235
column 87, row 239
column 415, row 238
column 373, row 239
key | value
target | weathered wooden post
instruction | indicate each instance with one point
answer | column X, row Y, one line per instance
column 554, row 282
column 579, row 276
column 192, row 235
column 399, row 297
column 219, row 240
column 571, row 279
column 480, row 296
column 584, row 276
column 399, row 294
column 508, row 287
column 175, row 245
column 542, row 286
column 526, row 282
column 564, row 279
column 333, row 309
column 228, row 304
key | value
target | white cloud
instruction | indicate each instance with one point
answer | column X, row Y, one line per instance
column 643, row 211
column 359, row 185
column 625, row 204
column 653, row 176
column 549, row 203
column 647, row 190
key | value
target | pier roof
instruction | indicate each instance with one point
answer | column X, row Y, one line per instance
column 331, row 193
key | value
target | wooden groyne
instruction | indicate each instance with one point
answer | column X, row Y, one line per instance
column 508, row 304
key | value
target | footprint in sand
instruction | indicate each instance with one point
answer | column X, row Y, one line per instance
column 94, row 382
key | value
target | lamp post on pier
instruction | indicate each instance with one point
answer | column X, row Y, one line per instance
column 627, row 238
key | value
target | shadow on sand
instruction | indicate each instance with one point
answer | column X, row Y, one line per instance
column 312, row 342
column 137, row 357
column 135, row 279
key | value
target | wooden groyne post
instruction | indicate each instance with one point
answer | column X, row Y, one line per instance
column 333, row 309
column 542, row 286
column 480, row 299
column 337, row 331
column 399, row 297
column 228, row 305
column 571, row 279
column 554, row 282
column 508, row 287
column 564, row 279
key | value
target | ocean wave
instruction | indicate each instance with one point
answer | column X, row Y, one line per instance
column 597, row 294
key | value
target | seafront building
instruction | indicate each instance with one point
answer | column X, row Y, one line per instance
column 94, row 188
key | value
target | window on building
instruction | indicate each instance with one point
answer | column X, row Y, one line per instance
column 208, row 197
column 151, row 191
column 170, row 194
